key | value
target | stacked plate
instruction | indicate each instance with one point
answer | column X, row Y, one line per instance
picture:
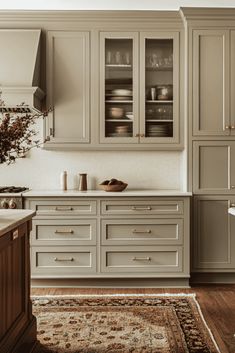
column 119, row 94
column 157, row 130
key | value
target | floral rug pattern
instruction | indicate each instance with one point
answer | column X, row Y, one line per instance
column 156, row 324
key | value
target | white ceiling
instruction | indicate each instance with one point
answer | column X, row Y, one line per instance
column 110, row 4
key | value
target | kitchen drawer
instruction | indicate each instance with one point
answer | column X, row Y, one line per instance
column 141, row 231
column 62, row 207
column 159, row 207
column 63, row 261
column 62, row 232
column 142, row 259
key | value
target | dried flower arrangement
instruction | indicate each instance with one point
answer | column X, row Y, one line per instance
column 17, row 133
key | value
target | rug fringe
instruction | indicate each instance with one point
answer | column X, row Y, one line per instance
column 116, row 295
column 204, row 321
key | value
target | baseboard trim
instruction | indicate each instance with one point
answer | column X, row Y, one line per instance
column 214, row 278
column 111, row 283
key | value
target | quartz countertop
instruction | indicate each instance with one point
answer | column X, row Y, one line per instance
column 101, row 193
column 10, row 219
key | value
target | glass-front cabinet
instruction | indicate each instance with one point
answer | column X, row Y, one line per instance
column 119, row 87
column 139, row 87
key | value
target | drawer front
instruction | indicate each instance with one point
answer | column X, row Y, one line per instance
column 145, row 259
column 142, row 231
column 142, row 207
column 63, row 261
column 63, row 207
column 62, row 232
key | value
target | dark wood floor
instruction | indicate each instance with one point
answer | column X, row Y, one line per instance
column 217, row 304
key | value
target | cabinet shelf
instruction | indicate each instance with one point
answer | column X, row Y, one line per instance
column 159, row 120
column 119, row 67
column 149, row 68
column 119, row 120
column 159, row 101
column 118, row 101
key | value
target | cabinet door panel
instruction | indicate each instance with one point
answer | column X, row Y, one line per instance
column 214, row 234
column 212, row 163
column 159, row 87
column 119, row 64
column 68, row 86
column 211, row 82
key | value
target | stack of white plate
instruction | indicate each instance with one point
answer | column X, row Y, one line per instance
column 157, row 130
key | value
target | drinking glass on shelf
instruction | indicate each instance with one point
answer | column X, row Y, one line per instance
column 153, row 93
column 118, row 57
column 108, row 57
column 127, row 60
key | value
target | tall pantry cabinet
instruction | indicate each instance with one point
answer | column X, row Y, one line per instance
column 211, row 142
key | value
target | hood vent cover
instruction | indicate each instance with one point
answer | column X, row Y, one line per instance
column 20, row 70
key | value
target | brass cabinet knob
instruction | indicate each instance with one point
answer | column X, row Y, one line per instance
column 232, row 127
column 142, row 135
column 232, row 205
column 227, row 127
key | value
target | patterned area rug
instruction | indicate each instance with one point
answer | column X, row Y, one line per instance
column 122, row 324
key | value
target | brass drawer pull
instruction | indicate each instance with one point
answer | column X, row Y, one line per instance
column 63, row 259
column 147, row 208
column 70, row 231
column 64, row 209
column 141, row 258
column 15, row 234
column 148, row 231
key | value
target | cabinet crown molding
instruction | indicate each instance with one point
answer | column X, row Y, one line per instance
column 207, row 13
column 96, row 15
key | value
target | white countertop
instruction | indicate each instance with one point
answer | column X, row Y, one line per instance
column 101, row 193
column 10, row 219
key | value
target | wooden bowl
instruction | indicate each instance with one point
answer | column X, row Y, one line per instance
column 113, row 188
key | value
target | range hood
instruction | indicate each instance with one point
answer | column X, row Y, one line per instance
column 20, row 70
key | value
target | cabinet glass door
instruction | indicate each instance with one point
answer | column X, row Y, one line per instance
column 119, row 63
column 159, row 88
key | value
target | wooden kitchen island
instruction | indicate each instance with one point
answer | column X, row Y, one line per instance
column 17, row 324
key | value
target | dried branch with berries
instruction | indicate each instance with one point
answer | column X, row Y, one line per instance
column 18, row 134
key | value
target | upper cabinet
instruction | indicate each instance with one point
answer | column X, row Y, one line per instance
column 213, row 105
column 68, row 87
column 111, row 88
column 139, row 88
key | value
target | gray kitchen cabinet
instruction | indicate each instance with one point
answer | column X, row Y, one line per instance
column 214, row 167
column 68, row 87
column 139, row 88
column 211, row 82
column 214, row 234
column 117, row 237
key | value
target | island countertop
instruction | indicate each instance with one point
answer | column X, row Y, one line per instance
column 10, row 219
column 102, row 193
